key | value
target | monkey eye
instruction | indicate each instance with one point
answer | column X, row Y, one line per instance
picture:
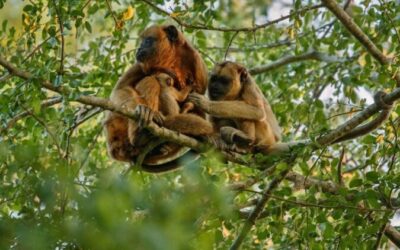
column 220, row 80
column 148, row 41
column 169, row 82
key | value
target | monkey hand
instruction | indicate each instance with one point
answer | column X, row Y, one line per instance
column 200, row 101
column 146, row 115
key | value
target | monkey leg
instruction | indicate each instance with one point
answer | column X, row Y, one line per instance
column 146, row 115
column 235, row 137
column 117, row 126
column 188, row 124
column 118, row 145
column 188, row 106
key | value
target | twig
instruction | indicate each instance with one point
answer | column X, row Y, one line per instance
column 332, row 188
column 339, row 167
column 284, row 42
column 243, row 29
column 89, row 150
column 52, row 135
column 24, row 114
column 344, row 113
column 319, row 205
column 314, row 165
column 86, row 4
column 229, row 44
column 5, row 77
column 112, row 13
column 379, row 237
column 77, row 122
column 385, row 10
column 208, row 56
column 60, row 22
column 383, row 115
column 36, row 48
column 356, row 31
column 313, row 55
column 258, row 208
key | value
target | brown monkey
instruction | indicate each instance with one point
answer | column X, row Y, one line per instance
column 168, row 111
column 170, row 97
column 238, row 108
column 163, row 49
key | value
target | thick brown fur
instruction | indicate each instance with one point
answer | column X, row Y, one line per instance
column 163, row 49
column 238, row 108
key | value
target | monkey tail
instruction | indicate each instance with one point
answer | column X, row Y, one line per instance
column 189, row 157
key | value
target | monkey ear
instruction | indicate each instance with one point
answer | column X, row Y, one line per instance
column 172, row 33
column 243, row 74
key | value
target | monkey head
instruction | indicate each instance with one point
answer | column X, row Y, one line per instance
column 226, row 81
column 165, row 79
column 157, row 42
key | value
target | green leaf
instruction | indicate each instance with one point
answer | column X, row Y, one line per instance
column 355, row 183
column 372, row 176
column 88, row 27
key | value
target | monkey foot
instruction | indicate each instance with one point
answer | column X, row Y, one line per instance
column 146, row 116
column 236, row 137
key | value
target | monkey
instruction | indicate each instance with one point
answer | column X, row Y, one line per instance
column 239, row 111
column 170, row 97
column 168, row 102
column 162, row 49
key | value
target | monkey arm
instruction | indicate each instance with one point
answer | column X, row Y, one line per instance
column 132, row 76
column 227, row 109
column 234, row 109
column 181, row 96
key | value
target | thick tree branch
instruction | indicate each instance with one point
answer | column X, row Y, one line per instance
column 393, row 235
column 313, row 55
column 108, row 105
column 366, row 128
column 244, row 29
column 358, row 119
column 279, row 148
column 356, row 31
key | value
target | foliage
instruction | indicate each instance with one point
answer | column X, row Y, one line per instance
column 59, row 189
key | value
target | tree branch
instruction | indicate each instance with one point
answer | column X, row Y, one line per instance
column 18, row 117
column 358, row 119
column 332, row 188
column 266, row 195
column 108, row 105
column 58, row 10
column 243, row 29
column 356, row 31
column 393, row 235
column 279, row 43
column 184, row 140
column 313, row 55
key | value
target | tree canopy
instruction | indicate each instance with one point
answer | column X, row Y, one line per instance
column 319, row 63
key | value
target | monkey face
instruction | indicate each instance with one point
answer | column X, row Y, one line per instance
column 165, row 80
column 147, row 48
column 226, row 81
column 157, row 40
column 219, row 86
